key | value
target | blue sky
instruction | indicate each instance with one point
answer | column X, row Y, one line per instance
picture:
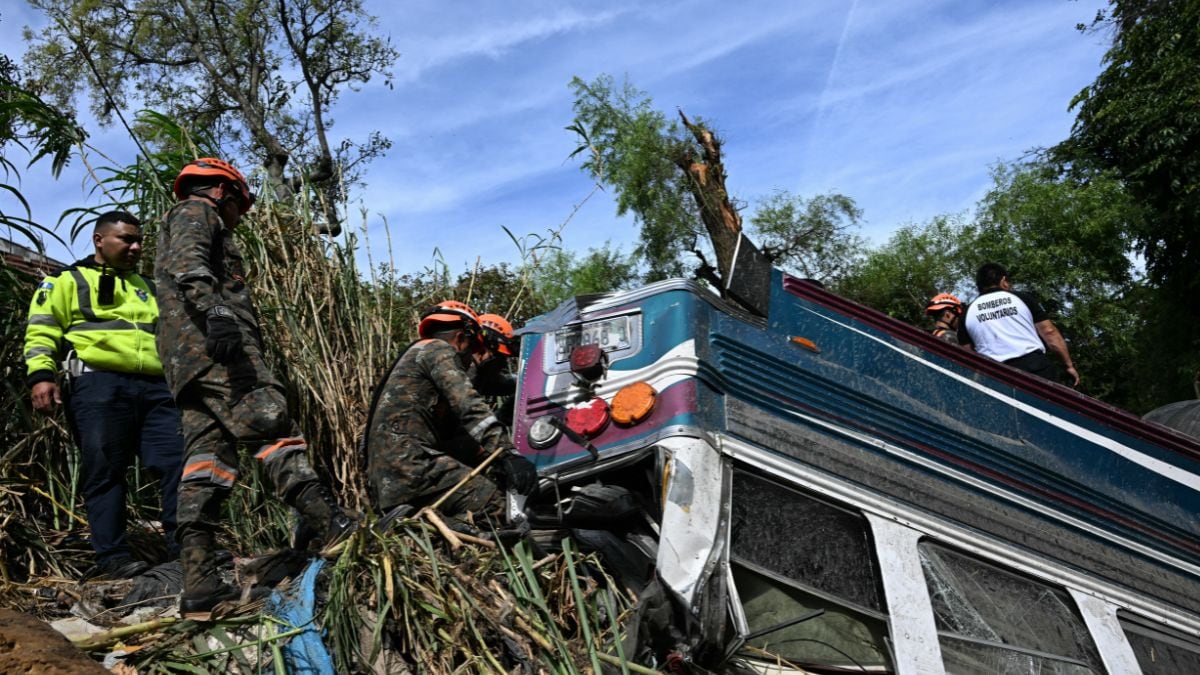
column 901, row 104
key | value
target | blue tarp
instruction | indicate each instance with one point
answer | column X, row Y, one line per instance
column 304, row 654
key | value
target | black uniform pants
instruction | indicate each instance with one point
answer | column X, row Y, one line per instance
column 117, row 417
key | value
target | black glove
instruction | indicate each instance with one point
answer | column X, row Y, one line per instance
column 224, row 340
column 521, row 473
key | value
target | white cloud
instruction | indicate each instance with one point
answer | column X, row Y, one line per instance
column 492, row 39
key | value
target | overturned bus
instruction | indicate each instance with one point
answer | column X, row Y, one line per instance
column 803, row 484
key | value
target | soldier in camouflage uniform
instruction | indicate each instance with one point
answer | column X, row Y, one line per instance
column 413, row 442
column 211, row 349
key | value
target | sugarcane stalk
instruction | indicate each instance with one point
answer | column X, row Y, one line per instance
column 633, row 667
column 108, row 637
column 450, row 535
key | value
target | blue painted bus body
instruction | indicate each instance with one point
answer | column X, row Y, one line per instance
column 882, row 406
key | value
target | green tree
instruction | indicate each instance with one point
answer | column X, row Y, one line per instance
column 564, row 274
column 916, row 263
column 631, row 147
column 1066, row 240
column 1069, row 242
column 1141, row 119
column 670, row 177
column 263, row 74
column 813, row 238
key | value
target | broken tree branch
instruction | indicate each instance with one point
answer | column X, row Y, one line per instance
column 707, row 186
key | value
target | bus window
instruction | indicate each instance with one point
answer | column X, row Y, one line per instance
column 1160, row 650
column 991, row 620
column 792, row 555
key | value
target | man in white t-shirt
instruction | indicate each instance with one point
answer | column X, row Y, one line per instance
column 1011, row 327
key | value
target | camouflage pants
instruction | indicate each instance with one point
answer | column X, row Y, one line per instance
column 222, row 409
column 411, row 473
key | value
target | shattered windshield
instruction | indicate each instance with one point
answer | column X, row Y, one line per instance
column 990, row 620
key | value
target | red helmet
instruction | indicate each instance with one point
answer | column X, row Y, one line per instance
column 211, row 167
column 449, row 311
column 498, row 334
column 943, row 301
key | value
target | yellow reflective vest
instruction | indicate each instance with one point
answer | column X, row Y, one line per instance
column 116, row 336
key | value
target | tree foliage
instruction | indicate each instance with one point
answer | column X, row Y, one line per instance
column 564, row 274
column 916, row 263
column 263, row 74
column 1140, row 118
column 41, row 130
column 814, row 238
column 1069, row 237
column 661, row 170
column 632, row 149
column 1064, row 239
column 1068, row 241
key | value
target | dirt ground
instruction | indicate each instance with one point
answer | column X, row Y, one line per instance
column 28, row 645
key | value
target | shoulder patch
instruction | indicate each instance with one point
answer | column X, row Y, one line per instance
column 46, row 284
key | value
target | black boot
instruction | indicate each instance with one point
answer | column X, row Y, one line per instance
column 323, row 523
column 203, row 589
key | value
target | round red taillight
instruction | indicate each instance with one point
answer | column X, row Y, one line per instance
column 588, row 419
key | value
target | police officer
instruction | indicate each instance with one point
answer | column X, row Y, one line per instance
column 1011, row 327
column 212, row 353
column 118, row 404
column 412, row 436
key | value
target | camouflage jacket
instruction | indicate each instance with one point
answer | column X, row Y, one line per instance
column 429, row 399
column 198, row 266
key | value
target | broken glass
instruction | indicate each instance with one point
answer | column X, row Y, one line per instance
column 801, row 538
column 1160, row 650
column 840, row 638
column 792, row 555
column 991, row 620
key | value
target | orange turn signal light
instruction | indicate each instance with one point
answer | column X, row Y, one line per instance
column 633, row 403
column 806, row 343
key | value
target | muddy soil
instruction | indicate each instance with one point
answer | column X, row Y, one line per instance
column 28, row 645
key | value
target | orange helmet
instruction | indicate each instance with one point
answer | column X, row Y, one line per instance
column 449, row 311
column 498, row 334
column 211, row 167
column 943, row 301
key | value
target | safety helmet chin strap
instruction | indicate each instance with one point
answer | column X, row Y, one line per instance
column 218, row 203
column 943, row 322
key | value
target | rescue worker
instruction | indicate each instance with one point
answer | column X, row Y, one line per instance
column 100, row 315
column 492, row 377
column 414, row 453
column 212, row 353
column 1011, row 327
column 946, row 311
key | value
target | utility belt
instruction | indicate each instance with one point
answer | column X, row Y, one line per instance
column 73, row 366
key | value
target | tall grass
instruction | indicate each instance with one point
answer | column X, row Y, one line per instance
column 331, row 330
column 38, row 504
